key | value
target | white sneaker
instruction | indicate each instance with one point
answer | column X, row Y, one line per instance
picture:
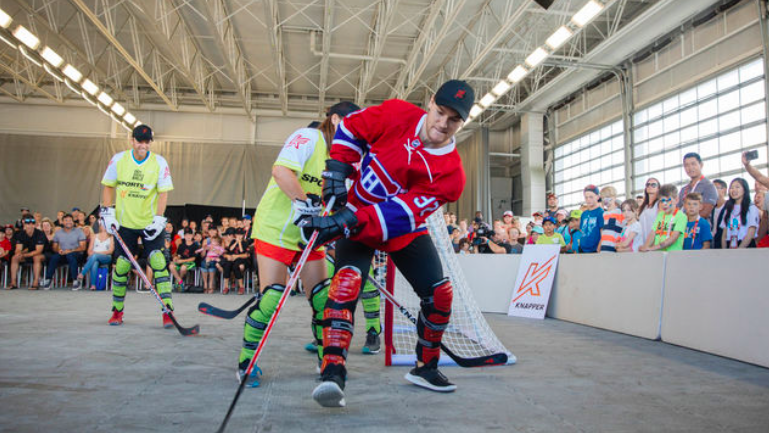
column 77, row 285
column 329, row 394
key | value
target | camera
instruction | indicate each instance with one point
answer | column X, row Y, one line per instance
column 483, row 231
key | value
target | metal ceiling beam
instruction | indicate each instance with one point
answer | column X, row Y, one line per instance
column 108, row 31
column 376, row 42
column 233, row 54
column 328, row 22
column 278, row 54
column 20, row 77
column 180, row 44
column 427, row 44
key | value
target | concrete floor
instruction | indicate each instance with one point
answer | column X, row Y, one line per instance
column 62, row 369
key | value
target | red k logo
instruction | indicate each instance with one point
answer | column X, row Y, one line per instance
column 297, row 141
column 460, row 94
column 534, row 275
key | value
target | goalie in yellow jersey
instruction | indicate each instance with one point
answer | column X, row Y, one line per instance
column 134, row 198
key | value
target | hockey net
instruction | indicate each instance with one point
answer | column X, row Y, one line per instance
column 468, row 334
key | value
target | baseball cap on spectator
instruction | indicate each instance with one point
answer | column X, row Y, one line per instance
column 536, row 214
column 549, row 219
column 187, row 231
column 24, row 209
column 230, row 231
column 538, row 229
column 478, row 220
column 246, row 217
column 507, row 213
column 342, row 109
column 142, row 133
column 457, row 95
column 562, row 212
column 552, row 194
column 240, row 232
column 592, row 188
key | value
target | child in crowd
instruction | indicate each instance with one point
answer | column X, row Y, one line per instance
column 5, row 247
column 697, row 235
column 631, row 239
column 613, row 220
column 464, row 246
column 515, row 247
column 535, row 233
column 668, row 229
column 740, row 218
column 213, row 251
column 550, row 237
column 572, row 236
column 184, row 259
column 591, row 221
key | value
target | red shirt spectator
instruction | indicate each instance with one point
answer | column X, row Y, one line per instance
column 5, row 247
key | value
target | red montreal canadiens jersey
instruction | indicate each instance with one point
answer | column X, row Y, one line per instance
column 400, row 182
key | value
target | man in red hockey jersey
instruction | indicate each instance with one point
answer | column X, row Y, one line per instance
column 409, row 168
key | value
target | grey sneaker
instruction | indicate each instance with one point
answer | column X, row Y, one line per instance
column 77, row 285
column 372, row 343
column 45, row 284
column 330, row 392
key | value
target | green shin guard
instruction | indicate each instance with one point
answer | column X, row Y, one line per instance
column 371, row 303
column 162, row 279
column 258, row 318
column 119, row 282
column 318, row 298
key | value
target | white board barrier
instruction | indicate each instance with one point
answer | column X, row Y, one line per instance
column 491, row 278
column 717, row 301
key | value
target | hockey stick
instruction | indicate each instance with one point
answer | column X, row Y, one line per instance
column 206, row 308
column 182, row 330
column 290, row 285
column 481, row 361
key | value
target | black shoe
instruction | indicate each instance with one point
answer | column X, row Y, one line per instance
column 372, row 343
column 429, row 377
column 330, row 392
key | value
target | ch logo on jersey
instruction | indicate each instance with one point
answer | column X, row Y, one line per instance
column 375, row 183
column 297, row 141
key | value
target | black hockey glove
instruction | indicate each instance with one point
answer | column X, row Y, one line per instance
column 334, row 178
column 340, row 224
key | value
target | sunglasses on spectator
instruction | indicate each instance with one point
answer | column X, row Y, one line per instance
column 29, row 221
column 666, row 199
column 652, row 184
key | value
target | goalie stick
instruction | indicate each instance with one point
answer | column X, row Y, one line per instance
column 290, row 285
column 481, row 361
column 182, row 330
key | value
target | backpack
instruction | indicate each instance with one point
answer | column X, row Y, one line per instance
column 101, row 278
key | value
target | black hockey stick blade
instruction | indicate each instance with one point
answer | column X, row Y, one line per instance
column 195, row 330
column 206, row 308
column 481, row 361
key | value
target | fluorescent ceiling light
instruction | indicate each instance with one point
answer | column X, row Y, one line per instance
column 105, row 99
column 26, row 37
column 118, row 109
column 72, row 86
column 54, row 72
column 5, row 19
column 517, row 74
column 90, row 87
column 72, row 73
column 7, row 41
column 51, row 57
column 487, row 100
column 587, row 13
column 501, row 88
column 30, row 58
column 127, row 128
column 559, row 37
column 536, row 57
column 475, row 111
column 130, row 118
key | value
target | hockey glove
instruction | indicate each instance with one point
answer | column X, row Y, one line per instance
column 340, row 224
column 334, row 184
column 307, row 208
column 107, row 215
column 155, row 228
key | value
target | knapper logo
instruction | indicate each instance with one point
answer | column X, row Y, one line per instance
column 534, row 275
column 297, row 141
column 166, row 173
column 460, row 94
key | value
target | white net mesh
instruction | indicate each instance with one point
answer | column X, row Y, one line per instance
column 468, row 334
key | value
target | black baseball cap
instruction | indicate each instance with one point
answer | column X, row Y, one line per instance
column 342, row 109
column 229, row 231
column 142, row 133
column 188, row 231
column 24, row 209
column 457, row 95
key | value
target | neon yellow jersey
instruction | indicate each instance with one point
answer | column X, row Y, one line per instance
column 137, row 185
column 304, row 153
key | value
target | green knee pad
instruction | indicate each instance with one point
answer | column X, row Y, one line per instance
column 318, row 298
column 119, row 281
column 161, row 277
column 258, row 318
column 371, row 303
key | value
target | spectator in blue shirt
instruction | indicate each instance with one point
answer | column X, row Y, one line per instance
column 698, row 235
column 591, row 222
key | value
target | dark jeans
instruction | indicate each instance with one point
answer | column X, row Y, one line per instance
column 73, row 259
column 234, row 267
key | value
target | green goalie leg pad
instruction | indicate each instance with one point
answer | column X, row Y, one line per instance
column 258, row 318
column 318, row 298
column 161, row 277
column 119, row 282
column 371, row 303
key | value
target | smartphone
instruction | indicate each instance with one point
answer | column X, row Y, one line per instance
column 751, row 155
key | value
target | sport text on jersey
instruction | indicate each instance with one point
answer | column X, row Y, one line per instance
column 312, row 179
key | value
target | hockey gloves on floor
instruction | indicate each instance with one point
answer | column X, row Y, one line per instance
column 340, row 224
column 334, row 185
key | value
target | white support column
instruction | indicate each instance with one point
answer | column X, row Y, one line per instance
column 532, row 163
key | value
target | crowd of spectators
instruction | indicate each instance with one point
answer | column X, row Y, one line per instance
column 79, row 241
column 703, row 214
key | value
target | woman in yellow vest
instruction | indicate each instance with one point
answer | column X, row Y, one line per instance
column 293, row 192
